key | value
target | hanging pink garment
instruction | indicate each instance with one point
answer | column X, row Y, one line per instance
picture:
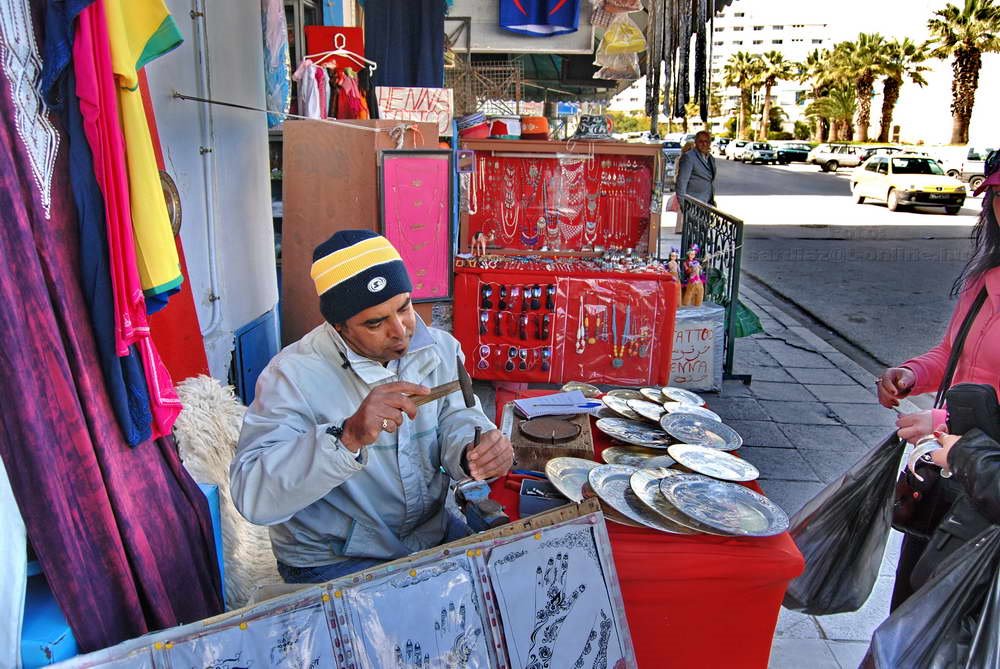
column 95, row 86
column 349, row 99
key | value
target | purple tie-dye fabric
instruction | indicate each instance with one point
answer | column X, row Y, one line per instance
column 123, row 535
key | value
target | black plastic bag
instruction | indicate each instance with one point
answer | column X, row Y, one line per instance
column 952, row 621
column 842, row 533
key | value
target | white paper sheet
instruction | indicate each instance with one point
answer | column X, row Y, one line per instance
column 298, row 639
column 427, row 617
column 554, row 602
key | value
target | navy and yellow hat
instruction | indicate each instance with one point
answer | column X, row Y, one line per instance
column 354, row 270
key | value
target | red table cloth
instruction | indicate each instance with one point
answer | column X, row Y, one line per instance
column 692, row 601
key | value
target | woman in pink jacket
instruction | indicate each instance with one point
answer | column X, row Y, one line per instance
column 978, row 362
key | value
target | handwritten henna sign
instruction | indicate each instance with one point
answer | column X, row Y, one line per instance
column 433, row 105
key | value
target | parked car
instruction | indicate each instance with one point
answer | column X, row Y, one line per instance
column 962, row 162
column 719, row 146
column 735, row 148
column 671, row 152
column 830, row 157
column 792, row 152
column 907, row 179
column 869, row 151
column 759, row 152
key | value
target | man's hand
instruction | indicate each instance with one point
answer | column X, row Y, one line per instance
column 382, row 411
column 493, row 457
column 894, row 384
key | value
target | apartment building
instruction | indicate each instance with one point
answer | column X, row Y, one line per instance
column 754, row 28
column 758, row 30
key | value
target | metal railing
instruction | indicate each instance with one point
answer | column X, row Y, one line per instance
column 720, row 237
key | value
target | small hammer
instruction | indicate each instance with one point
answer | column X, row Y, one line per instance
column 464, row 384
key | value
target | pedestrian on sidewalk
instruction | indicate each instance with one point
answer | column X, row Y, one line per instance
column 978, row 361
column 696, row 174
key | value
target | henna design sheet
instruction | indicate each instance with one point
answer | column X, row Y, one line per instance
column 427, row 617
column 554, row 601
column 298, row 639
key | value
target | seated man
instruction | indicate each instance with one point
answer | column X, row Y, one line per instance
column 333, row 454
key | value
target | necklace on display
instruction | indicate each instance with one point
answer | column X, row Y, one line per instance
column 616, row 362
column 509, row 210
column 581, row 331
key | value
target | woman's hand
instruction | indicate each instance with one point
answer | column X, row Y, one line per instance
column 940, row 456
column 894, row 384
column 916, row 426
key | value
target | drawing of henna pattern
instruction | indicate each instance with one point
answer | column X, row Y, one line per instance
column 588, row 646
column 557, row 606
column 601, row 661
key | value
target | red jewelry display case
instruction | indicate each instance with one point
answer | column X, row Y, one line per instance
column 566, row 290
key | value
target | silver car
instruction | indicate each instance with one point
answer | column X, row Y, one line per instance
column 759, row 152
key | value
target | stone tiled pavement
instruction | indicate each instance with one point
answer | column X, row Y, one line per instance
column 809, row 414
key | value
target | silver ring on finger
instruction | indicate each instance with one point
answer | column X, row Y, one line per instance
column 385, row 424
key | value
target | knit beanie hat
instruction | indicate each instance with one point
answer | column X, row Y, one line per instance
column 354, row 270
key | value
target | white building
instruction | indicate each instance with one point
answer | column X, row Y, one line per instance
column 745, row 26
column 790, row 29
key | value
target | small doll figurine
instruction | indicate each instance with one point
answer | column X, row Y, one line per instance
column 673, row 262
column 479, row 241
column 694, row 289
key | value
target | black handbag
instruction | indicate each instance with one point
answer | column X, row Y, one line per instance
column 970, row 405
column 920, row 506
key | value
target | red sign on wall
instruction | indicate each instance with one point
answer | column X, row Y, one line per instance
column 321, row 38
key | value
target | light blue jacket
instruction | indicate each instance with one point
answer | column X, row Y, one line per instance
column 322, row 502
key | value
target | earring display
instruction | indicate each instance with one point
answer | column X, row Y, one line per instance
column 554, row 329
column 571, row 278
column 562, row 203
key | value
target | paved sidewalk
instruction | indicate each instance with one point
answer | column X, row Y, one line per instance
column 808, row 415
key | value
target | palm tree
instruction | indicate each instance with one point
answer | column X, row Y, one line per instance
column 902, row 60
column 862, row 61
column 838, row 105
column 774, row 68
column 742, row 70
column 817, row 72
column 966, row 34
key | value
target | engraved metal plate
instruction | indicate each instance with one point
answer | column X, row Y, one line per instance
column 672, row 394
column 639, row 433
column 636, row 456
column 620, row 407
column 713, row 462
column 651, row 411
column 645, row 483
column 690, row 429
column 625, row 394
column 653, row 395
column 569, row 476
column 728, row 507
column 588, row 390
column 611, row 483
column 684, row 407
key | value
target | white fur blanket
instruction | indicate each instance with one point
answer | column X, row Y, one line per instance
column 207, row 431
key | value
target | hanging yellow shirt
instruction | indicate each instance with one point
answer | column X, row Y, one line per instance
column 140, row 31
